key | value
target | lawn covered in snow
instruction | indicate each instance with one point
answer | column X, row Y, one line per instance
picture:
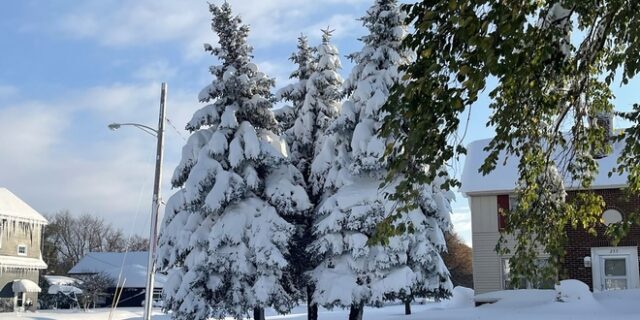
column 577, row 303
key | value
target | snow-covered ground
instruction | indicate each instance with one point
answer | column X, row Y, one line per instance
column 514, row 304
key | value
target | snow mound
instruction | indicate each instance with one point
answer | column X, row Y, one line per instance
column 521, row 298
column 462, row 297
column 573, row 291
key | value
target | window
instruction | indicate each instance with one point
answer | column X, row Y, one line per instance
column 506, row 276
column 615, row 273
column 513, row 202
column 506, row 203
column 503, row 208
column 611, row 216
column 22, row 250
column 507, row 283
column 19, row 299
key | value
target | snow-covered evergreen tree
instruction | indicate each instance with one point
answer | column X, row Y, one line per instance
column 285, row 116
column 225, row 237
column 295, row 92
column 354, row 271
column 316, row 101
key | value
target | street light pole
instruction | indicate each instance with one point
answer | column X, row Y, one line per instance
column 153, row 230
column 155, row 207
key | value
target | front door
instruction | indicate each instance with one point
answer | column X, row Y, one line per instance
column 614, row 273
column 614, row 268
column 19, row 302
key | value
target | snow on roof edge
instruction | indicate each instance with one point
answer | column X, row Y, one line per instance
column 54, row 279
column 504, row 177
column 14, row 262
column 95, row 262
column 25, row 285
column 12, row 207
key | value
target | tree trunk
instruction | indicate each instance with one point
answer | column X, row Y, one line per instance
column 355, row 313
column 312, row 307
column 258, row 313
column 407, row 307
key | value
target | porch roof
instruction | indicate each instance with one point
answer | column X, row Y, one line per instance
column 24, row 285
column 13, row 262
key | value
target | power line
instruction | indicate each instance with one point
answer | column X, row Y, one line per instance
column 176, row 129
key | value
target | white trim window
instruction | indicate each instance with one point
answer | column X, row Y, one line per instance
column 22, row 250
column 524, row 284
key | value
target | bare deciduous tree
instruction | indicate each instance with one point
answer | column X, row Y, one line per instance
column 68, row 238
column 93, row 286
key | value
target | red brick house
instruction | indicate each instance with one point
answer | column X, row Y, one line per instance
column 592, row 260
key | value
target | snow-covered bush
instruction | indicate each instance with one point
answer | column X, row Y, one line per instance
column 573, row 291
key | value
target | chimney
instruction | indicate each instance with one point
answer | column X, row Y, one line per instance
column 603, row 120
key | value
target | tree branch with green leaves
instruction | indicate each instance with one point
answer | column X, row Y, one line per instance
column 555, row 63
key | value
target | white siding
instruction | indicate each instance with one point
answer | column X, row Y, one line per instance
column 484, row 227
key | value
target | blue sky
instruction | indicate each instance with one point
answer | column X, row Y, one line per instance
column 68, row 68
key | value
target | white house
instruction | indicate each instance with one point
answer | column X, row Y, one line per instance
column 21, row 230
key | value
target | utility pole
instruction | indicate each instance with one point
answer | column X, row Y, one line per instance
column 153, row 232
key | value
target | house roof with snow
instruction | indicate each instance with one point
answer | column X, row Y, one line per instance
column 129, row 269
column 60, row 280
column 504, row 177
column 12, row 207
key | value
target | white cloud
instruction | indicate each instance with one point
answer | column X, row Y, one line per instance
column 122, row 23
column 7, row 91
column 59, row 154
column 133, row 23
column 118, row 99
column 29, row 131
column 344, row 25
column 157, row 71
column 279, row 71
column 461, row 219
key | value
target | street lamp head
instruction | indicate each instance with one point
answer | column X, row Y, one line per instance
column 114, row 126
